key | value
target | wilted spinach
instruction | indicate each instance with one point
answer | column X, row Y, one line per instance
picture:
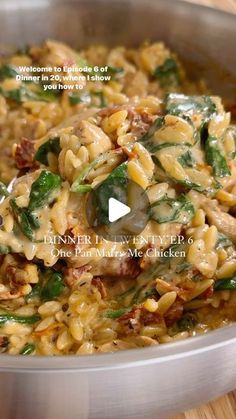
column 167, row 210
column 179, row 104
column 226, row 284
column 223, row 241
column 4, row 250
column 3, row 190
column 28, row 349
column 6, row 316
column 147, row 140
column 215, row 158
column 100, row 95
column 7, row 71
column 41, row 194
column 50, row 146
column 26, row 221
column 79, row 184
column 114, row 314
column 75, row 98
column 51, row 285
column 42, row 190
column 114, row 186
column 187, row 159
column 167, row 73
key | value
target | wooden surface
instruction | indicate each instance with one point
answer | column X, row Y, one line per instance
column 224, row 407
column 228, row 5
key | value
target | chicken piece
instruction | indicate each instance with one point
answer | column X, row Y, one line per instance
column 223, row 221
column 73, row 275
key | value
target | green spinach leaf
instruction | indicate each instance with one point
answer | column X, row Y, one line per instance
column 114, row 314
column 79, row 185
column 3, row 190
column 223, row 241
column 179, row 104
column 100, row 95
column 23, row 94
column 187, row 322
column 50, row 286
column 114, row 186
column 4, row 250
column 226, row 284
column 42, row 190
column 6, row 316
column 147, row 140
column 187, row 160
column 183, row 267
column 215, row 158
column 23, row 220
column 50, row 146
column 167, row 210
column 115, row 72
column 28, row 349
column 53, row 287
column 167, row 73
column 75, row 98
column 7, row 71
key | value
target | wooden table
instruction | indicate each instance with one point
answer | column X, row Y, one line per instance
column 224, row 407
column 228, row 5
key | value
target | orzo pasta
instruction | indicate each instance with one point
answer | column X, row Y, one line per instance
column 151, row 125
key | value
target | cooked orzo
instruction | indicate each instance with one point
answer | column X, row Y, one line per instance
column 147, row 123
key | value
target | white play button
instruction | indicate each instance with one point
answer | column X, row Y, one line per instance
column 117, row 210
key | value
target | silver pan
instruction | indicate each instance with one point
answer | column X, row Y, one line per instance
column 151, row 382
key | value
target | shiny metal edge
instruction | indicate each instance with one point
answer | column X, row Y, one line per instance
column 213, row 10
column 181, row 6
column 189, row 347
column 16, row 4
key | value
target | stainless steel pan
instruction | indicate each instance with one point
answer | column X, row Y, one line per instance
column 151, row 382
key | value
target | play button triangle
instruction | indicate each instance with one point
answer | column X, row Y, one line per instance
column 117, row 210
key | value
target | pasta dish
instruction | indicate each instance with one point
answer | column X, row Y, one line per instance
column 76, row 128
